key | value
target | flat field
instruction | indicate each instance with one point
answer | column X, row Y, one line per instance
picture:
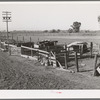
column 62, row 37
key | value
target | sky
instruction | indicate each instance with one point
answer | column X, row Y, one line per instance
column 50, row 15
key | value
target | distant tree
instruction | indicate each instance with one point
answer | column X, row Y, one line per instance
column 70, row 30
column 46, row 31
column 53, row 31
column 58, row 30
column 76, row 26
column 99, row 19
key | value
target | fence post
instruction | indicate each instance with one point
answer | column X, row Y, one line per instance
column 50, row 58
column 30, row 39
column 23, row 39
column 66, row 67
column 9, row 50
column 55, row 58
column 99, row 48
column 21, row 49
column 95, row 64
column 68, row 52
column 38, row 40
column 81, row 50
column 12, row 36
column 17, row 39
column 31, row 52
column 66, row 57
column 0, row 43
column 48, row 63
column 91, row 48
column 76, row 62
column 38, row 54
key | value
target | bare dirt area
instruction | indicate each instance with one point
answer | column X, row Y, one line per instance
column 21, row 73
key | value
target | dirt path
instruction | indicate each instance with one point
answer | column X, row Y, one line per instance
column 21, row 73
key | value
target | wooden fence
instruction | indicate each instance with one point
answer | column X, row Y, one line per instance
column 11, row 49
column 46, row 58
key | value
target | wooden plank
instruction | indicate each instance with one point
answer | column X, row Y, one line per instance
column 91, row 49
column 55, row 58
column 66, row 57
column 29, row 48
column 95, row 64
column 76, row 62
column 66, row 67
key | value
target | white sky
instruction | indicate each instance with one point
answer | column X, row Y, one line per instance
column 50, row 15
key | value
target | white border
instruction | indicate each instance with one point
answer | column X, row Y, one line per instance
column 40, row 94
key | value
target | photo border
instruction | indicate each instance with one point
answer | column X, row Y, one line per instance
column 56, row 94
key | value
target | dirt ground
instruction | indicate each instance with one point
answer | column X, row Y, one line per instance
column 21, row 73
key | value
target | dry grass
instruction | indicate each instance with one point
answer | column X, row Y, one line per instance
column 20, row 73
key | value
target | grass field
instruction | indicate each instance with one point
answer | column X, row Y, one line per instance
column 62, row 37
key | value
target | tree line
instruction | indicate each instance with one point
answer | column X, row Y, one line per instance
column 75, row 27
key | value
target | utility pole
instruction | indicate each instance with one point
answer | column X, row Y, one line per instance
column 6, row 18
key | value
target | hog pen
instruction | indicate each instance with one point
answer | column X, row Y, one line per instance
column 55, row 59
column 50, row 58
